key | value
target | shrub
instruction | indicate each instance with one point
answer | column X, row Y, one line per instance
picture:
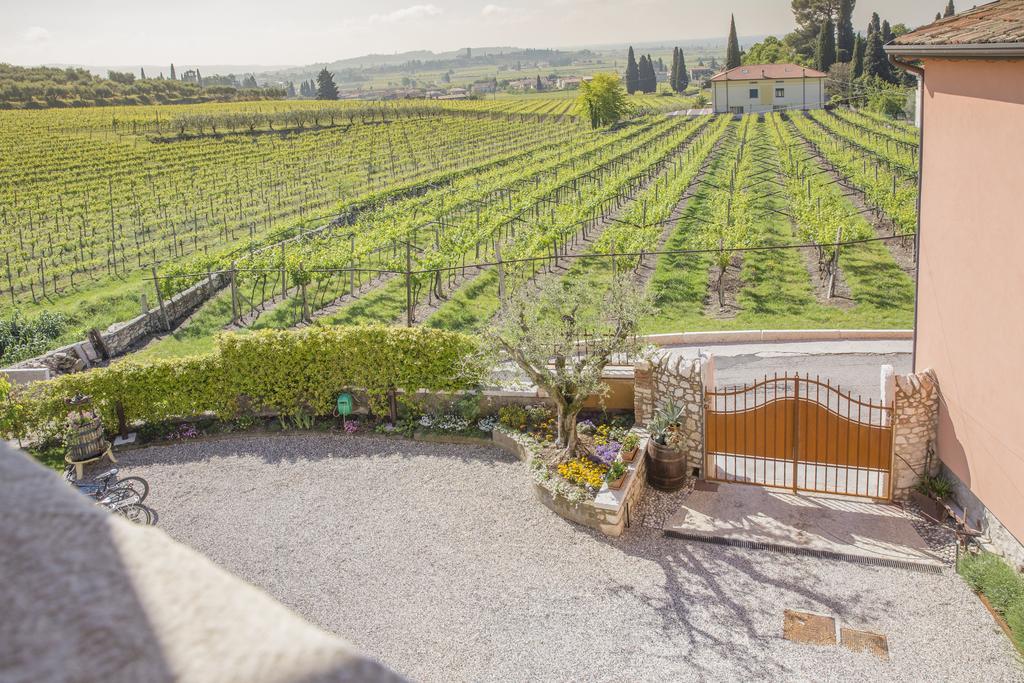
column 617, row 469
column 22, row 337
column 512, row 416
column 289, row 372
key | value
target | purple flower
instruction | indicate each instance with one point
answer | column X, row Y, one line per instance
column 607, row 454
column 351, row 426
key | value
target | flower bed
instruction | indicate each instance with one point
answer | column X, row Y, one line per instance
column 578, row 488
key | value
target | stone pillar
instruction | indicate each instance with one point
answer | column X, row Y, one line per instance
column 643, row 393
column 915, row 423
column 673, row 378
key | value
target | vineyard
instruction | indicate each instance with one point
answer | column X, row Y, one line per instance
column 430, row 213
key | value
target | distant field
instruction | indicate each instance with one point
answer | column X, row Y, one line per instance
column 92, row 200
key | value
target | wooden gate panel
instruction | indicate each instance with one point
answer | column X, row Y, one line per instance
column 799, row 433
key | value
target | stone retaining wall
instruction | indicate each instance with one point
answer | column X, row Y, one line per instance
column 122, row 337
column 915, row 424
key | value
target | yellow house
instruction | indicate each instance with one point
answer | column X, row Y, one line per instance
column 767, row 87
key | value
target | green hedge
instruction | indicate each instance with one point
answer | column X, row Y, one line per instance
column 289, row 372
column 991, row 576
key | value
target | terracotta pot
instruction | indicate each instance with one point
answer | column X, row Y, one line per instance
column 627, row 456
column 617, row 484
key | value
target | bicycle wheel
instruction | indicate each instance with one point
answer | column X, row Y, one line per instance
column 137, row 484
column 140, row 514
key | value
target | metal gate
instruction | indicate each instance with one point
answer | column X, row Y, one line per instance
column 799, row 433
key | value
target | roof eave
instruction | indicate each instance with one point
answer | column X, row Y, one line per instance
column 958, row 50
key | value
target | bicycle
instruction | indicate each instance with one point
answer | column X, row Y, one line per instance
column 106, row 481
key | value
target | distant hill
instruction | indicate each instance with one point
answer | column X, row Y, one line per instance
column 47, row 87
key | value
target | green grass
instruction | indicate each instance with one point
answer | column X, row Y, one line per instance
column 197, row 337
column 776, row 291
column 99, row 305
column 1003, row 587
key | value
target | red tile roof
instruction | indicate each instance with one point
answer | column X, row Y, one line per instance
column 752, row 72
column 998, row 22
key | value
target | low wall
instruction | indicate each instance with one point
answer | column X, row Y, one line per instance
column 122, row 337
column 770, row 336
column 609, row 512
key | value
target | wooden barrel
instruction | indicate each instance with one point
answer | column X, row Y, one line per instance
column 666, row 467
column 87, row 440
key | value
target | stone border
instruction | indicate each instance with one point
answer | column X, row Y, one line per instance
column 608, row 512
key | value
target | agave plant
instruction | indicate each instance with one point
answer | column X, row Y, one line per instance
column 664, row 422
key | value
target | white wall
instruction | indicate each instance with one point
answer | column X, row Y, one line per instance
column 799, row 93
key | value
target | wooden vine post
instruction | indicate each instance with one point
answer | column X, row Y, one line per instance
column 835, row 264
column 160, row 301
column 234, row 293
column 408, row 284
column 501, row 270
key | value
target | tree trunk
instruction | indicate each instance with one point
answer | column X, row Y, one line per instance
column 566, row 422
column 721, row 287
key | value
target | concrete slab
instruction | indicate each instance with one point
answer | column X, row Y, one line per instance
column 836, row 527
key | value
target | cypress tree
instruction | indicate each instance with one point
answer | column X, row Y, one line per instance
column 173, row 77
column 875, row 63
column 886, row 32
column 326, row 89
column 858, row 56
column 632, row 73
column 652, row 76
column 684, row 78
column 950, row 9
column 539, row 86
column 732, row 51
column 142, row 73
column 938, row 16
column 673, row 76
column 844, row 31
column 825, row 52
column 875, row 25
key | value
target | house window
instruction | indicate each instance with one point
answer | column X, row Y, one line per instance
column 735, row 110
column 753, row 93
column 780, row 92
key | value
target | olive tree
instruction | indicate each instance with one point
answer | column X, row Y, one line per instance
column 562, row 338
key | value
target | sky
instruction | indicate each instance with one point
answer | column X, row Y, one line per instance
column 297, row 32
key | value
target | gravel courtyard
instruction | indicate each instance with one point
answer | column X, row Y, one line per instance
column 437, row 560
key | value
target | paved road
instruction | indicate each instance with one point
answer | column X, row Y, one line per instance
column 855, row 366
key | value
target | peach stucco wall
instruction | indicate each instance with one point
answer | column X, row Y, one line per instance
column 971, row 284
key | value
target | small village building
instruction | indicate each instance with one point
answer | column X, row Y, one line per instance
column 970, row 316
column 699, row 74
column 571, row 82
column 767, row 87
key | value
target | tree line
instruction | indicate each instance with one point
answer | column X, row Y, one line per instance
column 47, row 87
column 642, row 76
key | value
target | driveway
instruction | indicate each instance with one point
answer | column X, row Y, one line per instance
column 854, row 365
column 438, row 560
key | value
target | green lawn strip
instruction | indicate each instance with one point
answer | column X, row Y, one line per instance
column 195, row 337
column 471, row 307
column 1002, row 586
column 383, row 305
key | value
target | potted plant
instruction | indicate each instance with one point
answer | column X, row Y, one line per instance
column 630, row 445
column 666, row 469
column 616, row 474
column 929, row 495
